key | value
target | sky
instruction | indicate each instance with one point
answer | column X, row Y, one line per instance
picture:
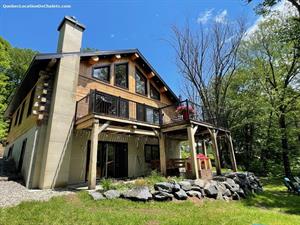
column 115, row 25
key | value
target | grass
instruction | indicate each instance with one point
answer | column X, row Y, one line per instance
column 274, row 207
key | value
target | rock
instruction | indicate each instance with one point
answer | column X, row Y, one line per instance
column 185, row 185
column 226, row 198
column 180, row 195
column 227, row 193
column 221, row 188
column 138, row 194
column 163, row 196
column 196, row 188
column 219, row 178
column 111, row 194
column 236, row 196
column 167, row 187
column 96, row 195
column 200, row 183
column 194, row 194
column 231, row 185
column 241, row 193
column 211, row 190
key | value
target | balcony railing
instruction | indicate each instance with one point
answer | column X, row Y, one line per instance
column 99, row 103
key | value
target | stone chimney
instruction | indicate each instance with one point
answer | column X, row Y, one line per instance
column 70, row 35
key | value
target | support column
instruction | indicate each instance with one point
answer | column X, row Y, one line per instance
column 191, row 136
column 214, row 141
column 231, row 152
column 162, row 153
column 204, row 147
column 93, row 157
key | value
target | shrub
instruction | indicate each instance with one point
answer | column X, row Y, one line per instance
column 107, row 184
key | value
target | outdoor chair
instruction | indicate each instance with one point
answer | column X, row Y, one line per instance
column 297, row 179
column 292, row 187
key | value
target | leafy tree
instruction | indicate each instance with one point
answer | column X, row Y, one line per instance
column 13, row 65
column 4, row 67
column 276, row 65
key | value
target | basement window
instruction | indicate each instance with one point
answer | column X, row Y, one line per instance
column 102, row 73
column 121, row 75
column 151, row 153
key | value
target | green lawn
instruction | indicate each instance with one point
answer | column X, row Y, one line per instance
column 274, row 206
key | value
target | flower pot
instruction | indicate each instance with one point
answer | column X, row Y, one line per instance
column 185, row 115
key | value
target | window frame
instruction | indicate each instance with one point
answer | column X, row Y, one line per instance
column 153, row 88
column 144, row 115
column 99, row 67
column 151, row 152
column 127, row 75
column 141, row 75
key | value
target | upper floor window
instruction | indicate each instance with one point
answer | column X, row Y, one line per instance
column 140, row 83
column 121, row 75
column 154, row 93
column 102, row 73
column 147, row 114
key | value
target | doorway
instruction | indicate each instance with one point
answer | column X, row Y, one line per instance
column 20, row 164
column 112, row 160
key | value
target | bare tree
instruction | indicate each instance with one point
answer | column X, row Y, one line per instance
column 208, row 60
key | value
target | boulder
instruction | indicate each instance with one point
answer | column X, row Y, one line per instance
column 221, row 188
column 211, row 190
column 162, row 196
column 111, row 194
column 167, row 187
column 180, row 195
column 96, row 195
column 227, row 193
column 196, row 188
column 185, row 185
column 138, row 194
column 235, row 196
column 194, row 194
column 200, row 183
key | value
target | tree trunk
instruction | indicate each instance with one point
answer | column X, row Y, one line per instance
column 284, row 145
column 265, row 151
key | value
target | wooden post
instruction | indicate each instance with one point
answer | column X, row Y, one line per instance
column 93, row 156
column 232, row 155
column 162, row 154
column 214, row 141
column 191, row 132
column 96, row 130
column 204, row 147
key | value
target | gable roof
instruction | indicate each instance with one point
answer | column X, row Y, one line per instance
column 40, row 61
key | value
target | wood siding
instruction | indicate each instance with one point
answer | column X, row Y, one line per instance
column 87, row 82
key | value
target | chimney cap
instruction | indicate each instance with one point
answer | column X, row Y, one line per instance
column 73, row 20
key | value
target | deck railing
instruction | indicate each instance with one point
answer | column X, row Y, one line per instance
column 104, row 104
column 100, row 103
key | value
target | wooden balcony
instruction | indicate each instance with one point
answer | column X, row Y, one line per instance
column 118, row 110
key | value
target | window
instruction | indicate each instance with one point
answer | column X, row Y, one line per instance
column 10, row 152
column 29, row 111
column 140, row 112
column 147, row 114
column 140, row 83
column 21, row 113
column 121, row 75
column 16, row 118
column 102, row 73
column 154, row 93
column 151, row 153
column 152, row 115
column 124, row 108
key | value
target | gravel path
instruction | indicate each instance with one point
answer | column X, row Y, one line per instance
column 13, row 193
